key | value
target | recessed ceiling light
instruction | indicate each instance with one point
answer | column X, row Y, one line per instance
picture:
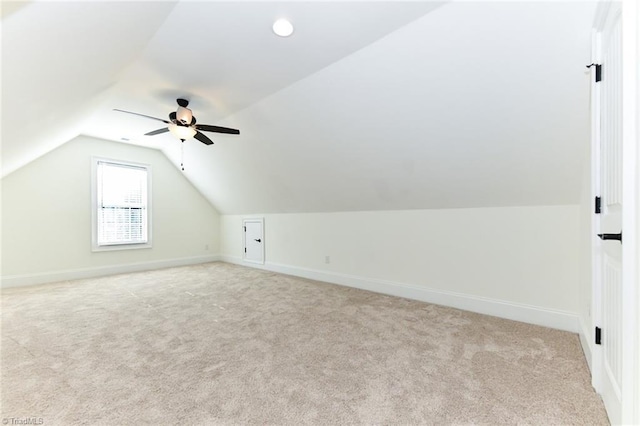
column 283, row 28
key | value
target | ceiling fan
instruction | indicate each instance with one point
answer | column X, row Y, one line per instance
column 182, row 124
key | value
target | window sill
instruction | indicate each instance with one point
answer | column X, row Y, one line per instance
column 118, row 247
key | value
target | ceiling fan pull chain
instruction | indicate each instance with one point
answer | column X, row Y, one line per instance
column 182, row 154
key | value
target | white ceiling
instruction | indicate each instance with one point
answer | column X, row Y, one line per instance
column 368, row 106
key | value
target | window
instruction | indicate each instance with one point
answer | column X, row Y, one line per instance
column 121, row 205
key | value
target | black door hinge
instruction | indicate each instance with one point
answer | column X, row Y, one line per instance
column 598, row 336
column 245, row 229
column 245, row 249
column 598, row 71
column 598, row 203
column 617, row 237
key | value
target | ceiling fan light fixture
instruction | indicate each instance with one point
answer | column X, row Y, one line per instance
column 283, row 28
column 182, row 132
column 184, row 115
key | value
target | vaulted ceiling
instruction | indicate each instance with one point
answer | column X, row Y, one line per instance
column 367, row 106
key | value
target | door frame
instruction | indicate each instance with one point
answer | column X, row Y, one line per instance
column 244, row 238
column 630, row 212
column 630, row 397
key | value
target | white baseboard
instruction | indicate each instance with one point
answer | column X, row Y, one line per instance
column 509, row 310
column 75, row 274
column 552, row 318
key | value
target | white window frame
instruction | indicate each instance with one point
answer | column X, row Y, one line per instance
column 95, row 247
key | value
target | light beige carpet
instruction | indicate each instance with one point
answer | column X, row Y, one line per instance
column 223, row 344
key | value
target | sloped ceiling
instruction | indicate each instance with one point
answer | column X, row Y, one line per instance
column 368, row 106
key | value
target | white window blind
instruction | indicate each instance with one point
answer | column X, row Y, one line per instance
column 121, row 214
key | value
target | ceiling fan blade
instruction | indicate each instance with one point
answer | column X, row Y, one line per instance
column 217, row 129
column 142, row 115
column 157, row 132
column 202, row 138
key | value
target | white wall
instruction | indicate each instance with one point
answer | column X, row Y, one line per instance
column 518, row 262
column 46, row 217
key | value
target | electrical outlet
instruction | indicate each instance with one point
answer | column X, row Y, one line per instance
column 206, row 247
column 327, row 259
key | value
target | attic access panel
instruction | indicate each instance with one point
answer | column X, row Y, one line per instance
column 253, row 240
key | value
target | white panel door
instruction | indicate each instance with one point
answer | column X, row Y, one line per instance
column 253, row 240
column 610, row 249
